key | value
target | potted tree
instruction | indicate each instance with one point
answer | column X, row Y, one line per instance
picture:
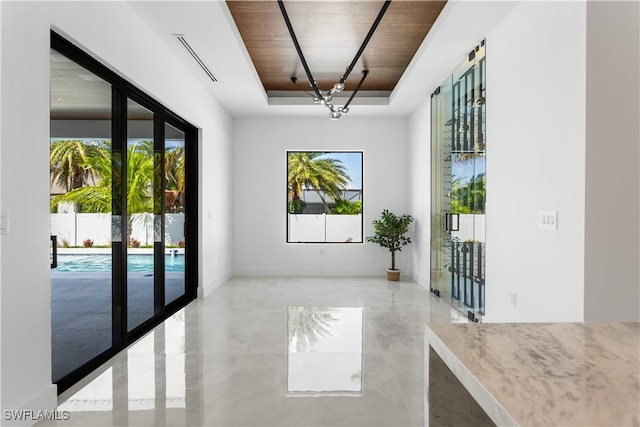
column 390, row 231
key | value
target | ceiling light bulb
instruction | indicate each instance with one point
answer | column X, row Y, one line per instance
column 335, row 115
column 339, row 87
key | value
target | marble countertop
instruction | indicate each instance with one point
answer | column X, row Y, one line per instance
column 546, row 374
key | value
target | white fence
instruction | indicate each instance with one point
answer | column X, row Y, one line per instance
column 324, row 228
column 470, row 227
column 73, row 228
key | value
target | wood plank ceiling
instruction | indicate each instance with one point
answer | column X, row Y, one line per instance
column 330, row 33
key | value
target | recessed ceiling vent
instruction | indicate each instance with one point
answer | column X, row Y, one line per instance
column 195, row 56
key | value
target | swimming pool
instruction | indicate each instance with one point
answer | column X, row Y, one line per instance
column 102, row 263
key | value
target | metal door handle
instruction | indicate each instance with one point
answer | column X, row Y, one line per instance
column 54, row 251
column 451, row 222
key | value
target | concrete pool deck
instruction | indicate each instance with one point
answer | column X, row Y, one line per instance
column 81, row 312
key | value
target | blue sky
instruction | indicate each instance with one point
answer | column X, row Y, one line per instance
column 465, row 170
column 353, row 162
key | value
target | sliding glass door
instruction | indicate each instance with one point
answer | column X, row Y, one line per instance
column 123, row 213
column 174, row 213
column 458, row 186
column 81, row 192
column 140, row 234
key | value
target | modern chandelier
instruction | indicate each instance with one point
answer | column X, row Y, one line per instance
column 326, row 98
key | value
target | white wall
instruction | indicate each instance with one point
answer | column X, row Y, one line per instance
column 1, row 97
column 24, row 284
column 215, row 203
column 259, row 184
column 420, row 190
column 119, row 37
column 612, row 253
column 549, row 148
column 563, row 135
column 535, row 161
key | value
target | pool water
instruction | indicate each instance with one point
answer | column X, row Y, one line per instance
column 102, row 263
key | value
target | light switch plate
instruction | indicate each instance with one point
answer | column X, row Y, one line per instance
column 4, row 223
column 548, row 220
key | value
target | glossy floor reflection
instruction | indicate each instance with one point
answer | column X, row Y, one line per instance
column 272, row 352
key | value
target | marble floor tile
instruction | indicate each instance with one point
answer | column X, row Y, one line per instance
column 272, row 351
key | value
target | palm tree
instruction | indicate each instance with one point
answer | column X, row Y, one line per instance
column 97, row 198
column 78, row 166
column 68, row 163
column 306, row 325
column 468, row 197
column 140, row 174
column 174, row 168
column 326, row 176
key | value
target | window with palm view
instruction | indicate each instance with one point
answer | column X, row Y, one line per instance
column 324, row 196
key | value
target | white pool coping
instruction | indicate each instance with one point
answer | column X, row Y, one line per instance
column 107, row 251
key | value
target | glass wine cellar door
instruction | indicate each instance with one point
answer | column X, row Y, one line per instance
column 458, row 190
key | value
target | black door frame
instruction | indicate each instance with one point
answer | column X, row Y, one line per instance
column 121, row 91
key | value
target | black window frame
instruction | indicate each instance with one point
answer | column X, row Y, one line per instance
column 362, row 198
column 121, row 91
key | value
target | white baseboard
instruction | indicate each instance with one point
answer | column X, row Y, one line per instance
column 423, row 281
column 207, row 288
column 306, row 272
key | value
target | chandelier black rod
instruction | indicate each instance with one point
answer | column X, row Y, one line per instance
column 384, row 8
column 312, row 82
column 365, row 73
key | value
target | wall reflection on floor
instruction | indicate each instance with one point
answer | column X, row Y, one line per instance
column 156, row 392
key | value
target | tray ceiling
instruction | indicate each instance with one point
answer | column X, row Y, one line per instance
column 330, row 34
